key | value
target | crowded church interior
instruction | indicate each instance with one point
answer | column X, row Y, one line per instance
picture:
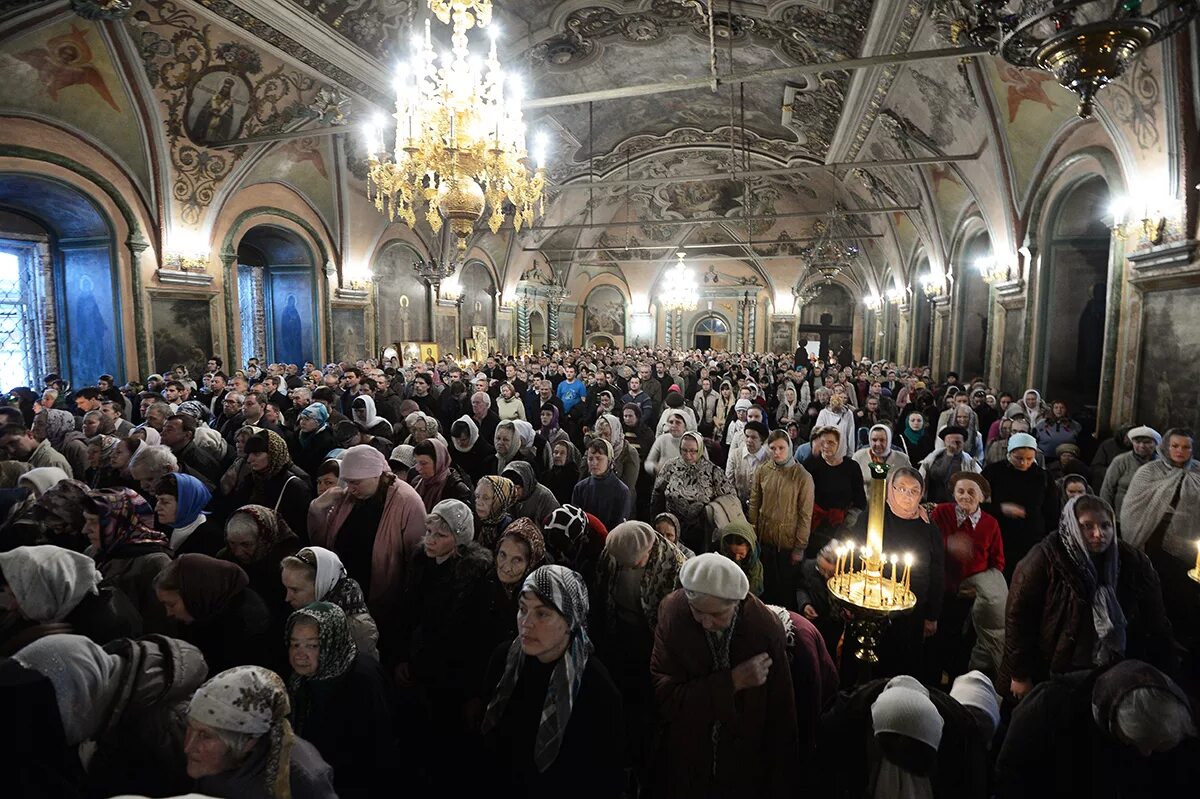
column 617, row 399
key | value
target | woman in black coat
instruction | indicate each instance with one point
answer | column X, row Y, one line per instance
column 1024, row 499
column 274, row 482
column 218, row 612
column 342, row 702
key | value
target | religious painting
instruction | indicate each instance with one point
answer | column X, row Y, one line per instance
column 292, row 312
column 181, row 330
column 349, row 334
column 478, row 296
column 401, row 306
column 447, row 334
column 65, row 61
column 504, row 342
column 604, row 312
column 428, row 351
column 782, row 335
column 91, row 328
column 1167, row 385
column 1012, row 366
column 217, row 105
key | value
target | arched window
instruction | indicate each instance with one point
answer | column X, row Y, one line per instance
column 710, row 333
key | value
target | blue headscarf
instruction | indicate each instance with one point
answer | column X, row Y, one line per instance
column 191, row 496
column 318, row 411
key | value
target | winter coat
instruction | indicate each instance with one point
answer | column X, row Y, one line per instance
column 1035, row 492
column 310, row 456
column 46, row 455
column 606, row 498
column 286, row 492
column 757, row 744
column 74, row 448
column 102, row 617
column 1049, row 628
column 781, row 505
column 1118, row 476
column 310, row 776
column 134, row 576
column 240, row 634
column 539, row 501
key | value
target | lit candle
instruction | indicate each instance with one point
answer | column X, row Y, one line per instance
column 893, row 560
column 1198, row 558
column 908, row 561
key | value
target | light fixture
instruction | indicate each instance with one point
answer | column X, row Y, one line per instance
column 873, row 302
column 186, row 251
column 357, row 276
column 991, row 269
column 459, row 145
column 1139, row 217
column 434, row 272
column 680, row 293
column 895, row 295
column 804, row 295
column 1085, row 44
column 832, row 252
column 933, row 284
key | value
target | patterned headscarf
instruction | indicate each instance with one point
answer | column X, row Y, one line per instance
column 318, row 413
column 278, row 457
column 524, row 529
column 1101, row 583
column 565, row 531
column 271, row 529
column 506, row 495
column 58, row 424
column 254, row 701
column 431, row 490
column 194, row 409
column 336, row 657
column 126, row 519
column 331, row 583
column 62, row 505
column 565, row 591
column 616, row 433
column 107, row 446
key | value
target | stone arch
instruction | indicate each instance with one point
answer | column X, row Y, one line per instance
column 276, row 271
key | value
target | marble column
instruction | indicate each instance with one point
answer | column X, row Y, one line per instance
column 552, row 323
column 524, row 342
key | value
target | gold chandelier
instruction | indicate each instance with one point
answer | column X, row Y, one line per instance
column 680, row 293
column 459, row 137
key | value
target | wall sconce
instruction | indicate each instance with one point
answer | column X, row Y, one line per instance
column 933, row 284
column 992, row 270
column 873, row 302
column 357, row 276
column 1143, row 217
column 641, row 325
column 451, row 289
column 187, row 251
column 896, row 295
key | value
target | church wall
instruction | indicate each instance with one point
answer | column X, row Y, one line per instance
column 1169, row 383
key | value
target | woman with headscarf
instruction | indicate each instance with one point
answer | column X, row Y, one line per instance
column 240, row 743
column 685, row 485
column 626, row 464
column 637, row 435
column 100, row 472
column 314, row 438
column 436, row 478
column 341, row 701
column 550, row 418
column 374, row 524
column 518, row 552
column 58, row 427
column 915, row 436
column 470, row 452
column 997, row 450
column 534, row 500
column 367, row 420
column 46, row 590
column 553, row 713
column 1082, row 598
column 258, row 539
column 123, row 699
column 667, row 525
column 723, row 691
column 439, row 649
column 1031, row 405
column 494, row 498
column 666, row 447
column 602, row 493
column 180, row 500
column 1158, row 516
column 781, row 511
column 574, row 539
column 563, row 474
column 316, row 574
column 420, row 427
column 215, row 609
column 1023, row 499
column 512, row 445
column 879, row 450
column 274, row 481
column 128, row 551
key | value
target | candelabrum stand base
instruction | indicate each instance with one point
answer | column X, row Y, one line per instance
column 869, row 608
column 1194, row 574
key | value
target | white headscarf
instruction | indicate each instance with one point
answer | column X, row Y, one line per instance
column 48, row 582
column 329, row 570
column 84, row 680
column 474, row 433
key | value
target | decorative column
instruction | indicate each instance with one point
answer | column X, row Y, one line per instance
column 670, row 328
column 752, row 328
column 552, row 321
column 524, row 341
column 259, row 281
column 138, row 245
column 228, row 282
column 739, row 333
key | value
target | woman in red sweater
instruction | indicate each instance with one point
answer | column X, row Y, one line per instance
column 975, row 584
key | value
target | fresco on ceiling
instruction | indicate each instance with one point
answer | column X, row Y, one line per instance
column 65, row 71
column 291, row 313
column 349, row 334
column 181, row 329
column 212, row 87
column 304, row 165
column 401, row 308
column 90, row 327
column 604, row 312
column 373, row 25
column 1168, row 395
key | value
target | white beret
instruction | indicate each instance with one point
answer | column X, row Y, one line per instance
column 1145, row 432
column 908, row 712
column 715, row 575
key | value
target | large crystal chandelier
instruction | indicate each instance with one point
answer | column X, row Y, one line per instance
column 459, row 138
column 681, row 293
column 834, row 249
column 1085, row 44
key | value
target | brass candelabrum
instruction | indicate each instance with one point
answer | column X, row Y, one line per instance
column 864, row 588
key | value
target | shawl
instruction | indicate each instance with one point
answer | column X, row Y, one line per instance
column 278, row 457
column 254, row 701
column 552, row 428
column 752, row 566
column 1100, row 584
column 331, row 583
column 85, row 680
column 149, row 435
column 913, row 437
column 1162, row 492
column 48, row 582
column 565, row 591
column 64, row 504
column 688, row 488
column 514, row 451
column 318, row 412
column 505, row 492
column 126, row 519
column 208, row 585
column 365, row 415
column 524, row 529
column 431, row 489
column 615, row 437
column 107, row 446
column 58, row 424
column 191, row 497
column 659, row 578
column 526, row 432
column 336, row 655
column 272, row 529
column 566, row 532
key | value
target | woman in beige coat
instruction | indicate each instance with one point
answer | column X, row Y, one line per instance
column 781, row 503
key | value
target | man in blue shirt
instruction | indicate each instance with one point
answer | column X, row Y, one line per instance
column 571, row 391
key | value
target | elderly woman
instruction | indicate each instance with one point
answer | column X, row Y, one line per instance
column 128, row 551
column 520, row 550
column 316, row 574
column 494, row 498
column 341, row 700
column 602, row 493
column 123, row 698
column 274, row 481
column 509, row 447
column 879, row 450
column 997, row 448
column 217, row 611
column 421, row 427
column 1082, row 599
column 534, row 500
column 58, row 428
column 100, row 472
column 781, row 509
column 666, row 447
column 554, row 713
column 179, row 505
column 563, row 474
column 975, row 585
column 717, row 648
column 374, row 524
column 1023, row 499
column 46, row 590
column 436, row 478
column 838, row 493
column 239, row 741
column 314, row 438
column 687, row 484
column 258, row 539
column 471, row 452
column 667, row 525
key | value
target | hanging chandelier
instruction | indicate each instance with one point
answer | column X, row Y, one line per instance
column 459, row 145
column 1085, row 44
column 434, row 272
column 833, row 251
column 681, row 293
column 804, row 295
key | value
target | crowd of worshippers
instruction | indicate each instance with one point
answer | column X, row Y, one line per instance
column 600, row 572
